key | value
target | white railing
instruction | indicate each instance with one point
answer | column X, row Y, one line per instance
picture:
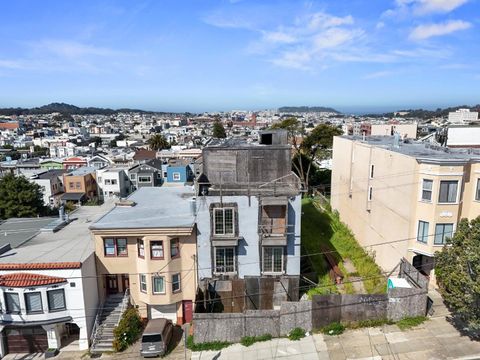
column 96, row 327
column 125, row 301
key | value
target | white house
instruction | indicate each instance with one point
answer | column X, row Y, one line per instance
column 113, row 182
column 48, row 283
column 52, row 185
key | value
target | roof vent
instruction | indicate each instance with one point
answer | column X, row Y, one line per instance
column 125, row 203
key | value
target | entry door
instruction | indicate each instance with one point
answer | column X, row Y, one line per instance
column 112, row 284
column 187, row 311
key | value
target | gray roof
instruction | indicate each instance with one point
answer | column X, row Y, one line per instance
column 16, row 231
column 156, row 207
column 73, row 243
column 50, row 174
column 81, row 171
column 421, row 151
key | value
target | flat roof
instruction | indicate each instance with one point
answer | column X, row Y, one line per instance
column 419, row 150
column 73, row 243
column 16, row 231
column 155, row 207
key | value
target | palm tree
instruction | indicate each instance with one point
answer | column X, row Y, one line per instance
column 158, row 142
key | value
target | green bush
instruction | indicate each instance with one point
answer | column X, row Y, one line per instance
column 296, row 334
column 369, row 323
column 250, row 340
column 334, row 329
column 128, row 329
column 410, row 322
column 214, row 345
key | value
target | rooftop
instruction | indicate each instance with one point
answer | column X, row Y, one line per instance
column 155, row 207
column 419, row 150
column 82, row 171
column 71, row 244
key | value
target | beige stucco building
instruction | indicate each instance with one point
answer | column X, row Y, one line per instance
column 403, row 199
column 150, row 248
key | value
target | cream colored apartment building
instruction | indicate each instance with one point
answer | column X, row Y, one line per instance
column 403, row 199
column 147, row 245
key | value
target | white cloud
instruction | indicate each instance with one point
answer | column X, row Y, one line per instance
column 321, row 20
column 405, row 8
column 72, row 49
column 378, row 74
column 423, row 32
column 294, row 59
column 278, row 37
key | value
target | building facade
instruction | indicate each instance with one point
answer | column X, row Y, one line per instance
column 403, row 199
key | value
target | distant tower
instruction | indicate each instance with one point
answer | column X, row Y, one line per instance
column 254, row 119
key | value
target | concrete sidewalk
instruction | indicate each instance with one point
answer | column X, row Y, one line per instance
column 308, row 348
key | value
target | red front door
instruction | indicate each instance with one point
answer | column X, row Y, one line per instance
column 187, row 311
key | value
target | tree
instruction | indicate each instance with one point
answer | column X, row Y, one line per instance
column 219, row 130
column 457, row 268
column 158, row 142
column 309, row 149
column 97, row 140
column 19, row 197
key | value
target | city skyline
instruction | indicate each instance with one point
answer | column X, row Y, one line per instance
column 220, row 55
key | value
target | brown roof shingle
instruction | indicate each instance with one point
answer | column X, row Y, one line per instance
column 26, row 280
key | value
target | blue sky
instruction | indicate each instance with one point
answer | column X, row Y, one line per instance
column 204, row 55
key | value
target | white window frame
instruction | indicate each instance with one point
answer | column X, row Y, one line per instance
column 477, row 191
column 423, row 189
column 143, row 283
column 144, row 177
column 153, row 286
column 271, row 271
column 224, row 248
column 456, row 195
column 435, row 235
column 179, row 283
column 224, row 233
column 423, row 233
column 176, row 176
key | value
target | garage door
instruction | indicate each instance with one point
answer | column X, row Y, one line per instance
column 164, row 311
column 26, row 340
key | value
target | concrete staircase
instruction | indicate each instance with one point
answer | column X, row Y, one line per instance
column 107, row 319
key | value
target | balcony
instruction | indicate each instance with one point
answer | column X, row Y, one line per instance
column 273, row 221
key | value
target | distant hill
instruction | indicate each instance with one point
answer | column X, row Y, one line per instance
column 301, row 109
column 428, row 114
column 65, row 109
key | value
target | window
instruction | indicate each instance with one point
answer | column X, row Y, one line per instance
column 141, row 248
column 159, row 175
column 158, row 284
column 176, row 176
column 12, row 302
column 109, row 247
column 144, row 179
column 174, row 248
column 422, row 234
column 427, row 187
column 143, row 283
column 223, row 221
column 372, row 168
column 78, row 185
column 114, row 181
column 115, row 247
column 442, row 232
column 156, row 249
column 273, row 259
column 370, row 193
column 33, row 302
column 122, row 247
column 175, row 282
column 477, row 191
column 225, row 260
column 448, row 191
column 71, row 185
column 56, row 300
column 108, row 181
column 133, row 176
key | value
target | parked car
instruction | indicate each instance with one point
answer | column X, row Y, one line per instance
column 156, row 337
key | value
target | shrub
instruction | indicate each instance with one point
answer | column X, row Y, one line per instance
column 334, row 329
column 214, row 345
column 296, row 334
column 410, row 322
column 128, row 329
column 250, row 340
